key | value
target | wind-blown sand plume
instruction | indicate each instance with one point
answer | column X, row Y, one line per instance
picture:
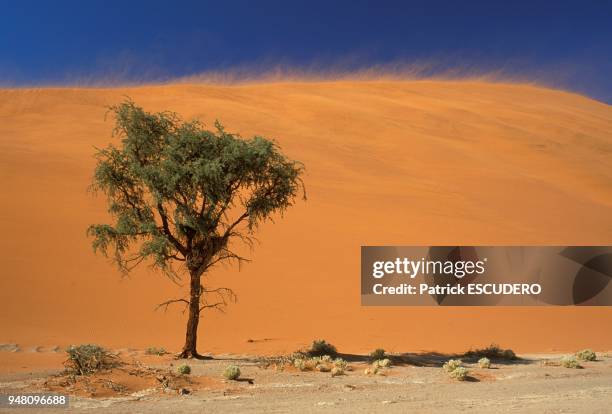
column 393, row 163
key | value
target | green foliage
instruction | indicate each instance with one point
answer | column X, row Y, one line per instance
column 179, row 192
column 586, row 355
column 320, row 347
column 484, row 362
column 184, row 369
column 88, row 358
column 570, row 362
column 232, row 372
column 493, row 351
column 377, row 354
column 155, row 351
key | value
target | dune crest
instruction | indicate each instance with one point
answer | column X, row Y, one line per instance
column 388, row 162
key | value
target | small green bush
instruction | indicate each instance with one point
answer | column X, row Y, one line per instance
column 586, row 355
column 232, row 372
column 184, row 369
column 570, row 362
column 459, row 373
column 155, row 351
column 88, row 358
column 320, row 348
column 484, row 362
column 452, row 364
column 377, row 354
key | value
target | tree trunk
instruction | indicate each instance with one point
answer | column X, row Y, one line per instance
column 191, row 335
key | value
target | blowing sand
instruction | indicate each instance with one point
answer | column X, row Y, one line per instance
column 392, row 163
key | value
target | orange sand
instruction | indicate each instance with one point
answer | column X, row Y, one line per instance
column 420, row 162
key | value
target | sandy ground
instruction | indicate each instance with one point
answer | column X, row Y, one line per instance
column 533, row 384
column 394, row 163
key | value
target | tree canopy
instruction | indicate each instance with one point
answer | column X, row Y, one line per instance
column 178, row 192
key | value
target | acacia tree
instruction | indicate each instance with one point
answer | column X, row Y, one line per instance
column 180, row 195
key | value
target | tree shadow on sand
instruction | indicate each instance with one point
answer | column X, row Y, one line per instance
column 434, row 359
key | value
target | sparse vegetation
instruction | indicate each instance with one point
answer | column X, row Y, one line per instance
column 340, row 363
column 184, row 369
column 321, row 348
column 87, row 359
column 378, row 367
column 455, row 369
column 570, row 362
column 373, row 370
column 155, row 351
column 484, row 363
column 384, row 363
column 377, row 354
column 300, row 363
column 459, row 373
column 586, row 355
column 452, row 364
column 493, row 351
column 323, row 363
column 232, row 372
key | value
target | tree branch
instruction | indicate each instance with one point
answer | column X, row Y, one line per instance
column 234, row 224
column 168, row 233
column 170, row 302
column 224, row 295
column 226, row 256
column 219, row 306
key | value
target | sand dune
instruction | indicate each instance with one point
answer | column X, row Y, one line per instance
column 421, row 162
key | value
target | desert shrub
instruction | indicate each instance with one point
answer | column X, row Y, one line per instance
column 184, row 369
column 586, row 355
column 155, row 351
column 375, row 369
column 570, row 362
column 493, row 351
column 88, row 358
column 459, row 373
column 336, row 371
column 377, row 354
column 300, row 364
column 232, row 372
column 384, row 363
column 378, row 366
column 484, row 362
column 320, row 348
column 323, row 363
column 340, row 363
column 312, row 364
column 452, row 364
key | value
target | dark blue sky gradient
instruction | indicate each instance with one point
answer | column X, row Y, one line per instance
column 567, row 44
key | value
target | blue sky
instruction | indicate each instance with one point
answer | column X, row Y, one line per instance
column 562, row 43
